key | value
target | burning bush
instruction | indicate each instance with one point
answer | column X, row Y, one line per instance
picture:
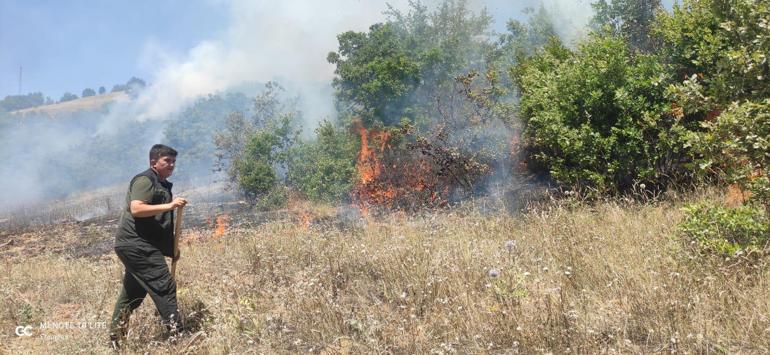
column 403, row 169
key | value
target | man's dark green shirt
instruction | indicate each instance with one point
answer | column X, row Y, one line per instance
column 156, row 231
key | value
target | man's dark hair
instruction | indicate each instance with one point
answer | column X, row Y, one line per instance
column 159, row 150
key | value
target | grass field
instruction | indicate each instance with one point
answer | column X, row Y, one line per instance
column 562, row 277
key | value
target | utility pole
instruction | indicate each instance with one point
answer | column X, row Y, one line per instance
column 19, row 80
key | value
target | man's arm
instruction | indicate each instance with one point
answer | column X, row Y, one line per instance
column 140, row 208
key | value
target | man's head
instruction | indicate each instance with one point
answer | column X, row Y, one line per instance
column 162, row 160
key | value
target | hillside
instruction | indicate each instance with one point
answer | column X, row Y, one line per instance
column 559, row 278
column 91, row 103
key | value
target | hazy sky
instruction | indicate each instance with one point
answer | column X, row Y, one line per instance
column 70, row 45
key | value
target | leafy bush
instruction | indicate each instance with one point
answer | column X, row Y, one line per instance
column 596, row 119
column 724, row 230
column 265, row 152
column 721, row 46
column 253, row 150
column 323, row 169
column 275, row 197
column 736, row 146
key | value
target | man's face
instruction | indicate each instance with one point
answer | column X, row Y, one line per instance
column 164, row 166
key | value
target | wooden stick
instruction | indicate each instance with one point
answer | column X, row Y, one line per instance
column 177, row 232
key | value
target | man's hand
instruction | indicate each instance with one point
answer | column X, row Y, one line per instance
column 143, row 209
column 178, row 202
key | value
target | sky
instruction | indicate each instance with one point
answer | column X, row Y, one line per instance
column 67, row 46
column 70, row 45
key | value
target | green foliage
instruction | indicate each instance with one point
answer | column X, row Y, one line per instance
column 88, row 92
column 19, row 102
column 596, row 119
column 721, row 48
column 631, row 19
column 403, row 67
column 523, row 39
column 255, row 171
column 375, row 74
column 723, row 230
column 253, row 150
column 323, row 169
column 132, row 86
column 68, row 96
column 736, row 146
column 420, row 73
column 265, row 152
column 275, row 198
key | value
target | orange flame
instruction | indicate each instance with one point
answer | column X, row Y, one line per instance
column 368, row 165
column 221, row 225
column 389, row 181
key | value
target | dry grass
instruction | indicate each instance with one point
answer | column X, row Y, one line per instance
column 606, row 278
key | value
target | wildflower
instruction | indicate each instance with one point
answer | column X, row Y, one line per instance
column 493, row 272
column 510, row 244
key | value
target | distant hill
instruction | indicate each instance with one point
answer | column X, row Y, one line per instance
column 91, row 103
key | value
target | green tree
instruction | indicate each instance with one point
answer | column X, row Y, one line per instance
column 375, row 74
column 135, row 84
column 265, row 152
column 253, row 150
column 88, row 92
column 430, row 78
column 523, row 39
column 401, row 68
column 633, row 19
column 19, row 102
column 102, row 90
column 67, row 96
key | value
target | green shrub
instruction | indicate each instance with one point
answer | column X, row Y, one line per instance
column 276, row 197
column 736, row 146
column 596, row 119
column 265, row 152
column 323, row 169
column 723, row 230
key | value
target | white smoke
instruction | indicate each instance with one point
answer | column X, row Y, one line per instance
column 571, row 18
column 287, row 40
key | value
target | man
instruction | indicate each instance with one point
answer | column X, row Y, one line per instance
column 145, row 236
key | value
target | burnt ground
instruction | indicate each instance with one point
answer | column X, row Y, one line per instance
column 94, row 237
column 85, row 227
